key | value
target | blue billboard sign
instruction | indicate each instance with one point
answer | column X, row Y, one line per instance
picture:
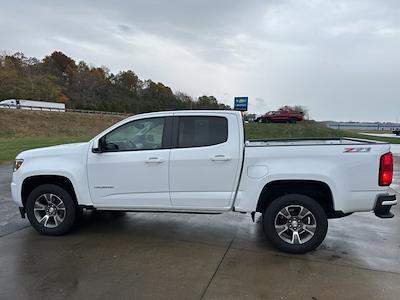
column 241, row 103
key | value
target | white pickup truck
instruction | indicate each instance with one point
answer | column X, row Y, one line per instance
column 199, row 161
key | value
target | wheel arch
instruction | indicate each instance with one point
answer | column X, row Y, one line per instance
column 318, row 190
column 30, row 183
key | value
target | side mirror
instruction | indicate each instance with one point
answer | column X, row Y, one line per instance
column 97, row 146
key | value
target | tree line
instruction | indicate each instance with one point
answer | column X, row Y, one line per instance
column 59, row 78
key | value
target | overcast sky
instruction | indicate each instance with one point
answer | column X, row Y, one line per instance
column 340, row 59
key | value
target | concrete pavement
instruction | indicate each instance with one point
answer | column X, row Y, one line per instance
column 10, row 220
column 189, row 256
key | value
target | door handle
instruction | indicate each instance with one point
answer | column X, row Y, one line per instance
column 154, row 160
column 220, row 157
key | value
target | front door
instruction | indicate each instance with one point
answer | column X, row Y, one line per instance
column 132, row 169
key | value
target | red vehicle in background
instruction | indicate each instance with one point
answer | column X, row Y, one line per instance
column 281, row 116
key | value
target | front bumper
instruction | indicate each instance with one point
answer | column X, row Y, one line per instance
column 14, row 193
column 383, row 205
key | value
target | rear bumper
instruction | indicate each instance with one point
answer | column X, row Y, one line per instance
column 383, row 205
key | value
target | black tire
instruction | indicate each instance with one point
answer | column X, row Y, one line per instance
column 68, row 211
column 295, row 201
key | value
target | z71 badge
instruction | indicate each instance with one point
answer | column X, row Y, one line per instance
column 357, row 150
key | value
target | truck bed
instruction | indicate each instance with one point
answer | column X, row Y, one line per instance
column 350, row 167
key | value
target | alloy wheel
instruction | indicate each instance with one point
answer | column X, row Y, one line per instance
column 49, row 210
column 295, row 224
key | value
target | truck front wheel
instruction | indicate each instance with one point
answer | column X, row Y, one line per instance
column 51, row 209
column 295, row 223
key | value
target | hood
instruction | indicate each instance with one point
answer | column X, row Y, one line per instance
column 66, row 149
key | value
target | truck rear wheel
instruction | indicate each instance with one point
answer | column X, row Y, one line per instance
column 295, row 223
column 51, row 209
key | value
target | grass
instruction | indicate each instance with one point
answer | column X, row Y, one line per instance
column 23, row 130
column 22, row 123
column 391, row 140
column 306, row 129
column 10, row 147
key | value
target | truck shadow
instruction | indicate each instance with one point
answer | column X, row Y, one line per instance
column 219, row 230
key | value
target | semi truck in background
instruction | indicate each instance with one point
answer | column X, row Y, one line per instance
column 32, row 105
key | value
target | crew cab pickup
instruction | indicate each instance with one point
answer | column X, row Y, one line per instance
column 199, row 161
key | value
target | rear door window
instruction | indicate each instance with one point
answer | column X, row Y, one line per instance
column 199, row 131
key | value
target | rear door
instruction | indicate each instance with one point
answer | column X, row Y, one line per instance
column 204, row 161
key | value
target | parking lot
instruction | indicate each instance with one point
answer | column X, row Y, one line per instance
column 191, row 256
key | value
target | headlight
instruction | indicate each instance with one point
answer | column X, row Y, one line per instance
column 17, row 164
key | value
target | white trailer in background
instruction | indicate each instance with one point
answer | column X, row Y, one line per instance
column 32, row 105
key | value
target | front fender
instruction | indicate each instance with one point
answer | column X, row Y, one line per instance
column 72, row 169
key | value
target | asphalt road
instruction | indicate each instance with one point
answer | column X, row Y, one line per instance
column 10, row 220
column 189, row 256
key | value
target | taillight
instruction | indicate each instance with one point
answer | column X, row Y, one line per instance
column 386, row 169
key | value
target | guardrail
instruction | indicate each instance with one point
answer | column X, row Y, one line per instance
column 371, row 126
column 98, row 112
column 57, row 109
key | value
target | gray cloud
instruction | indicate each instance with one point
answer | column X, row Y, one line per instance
column 341, row 59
